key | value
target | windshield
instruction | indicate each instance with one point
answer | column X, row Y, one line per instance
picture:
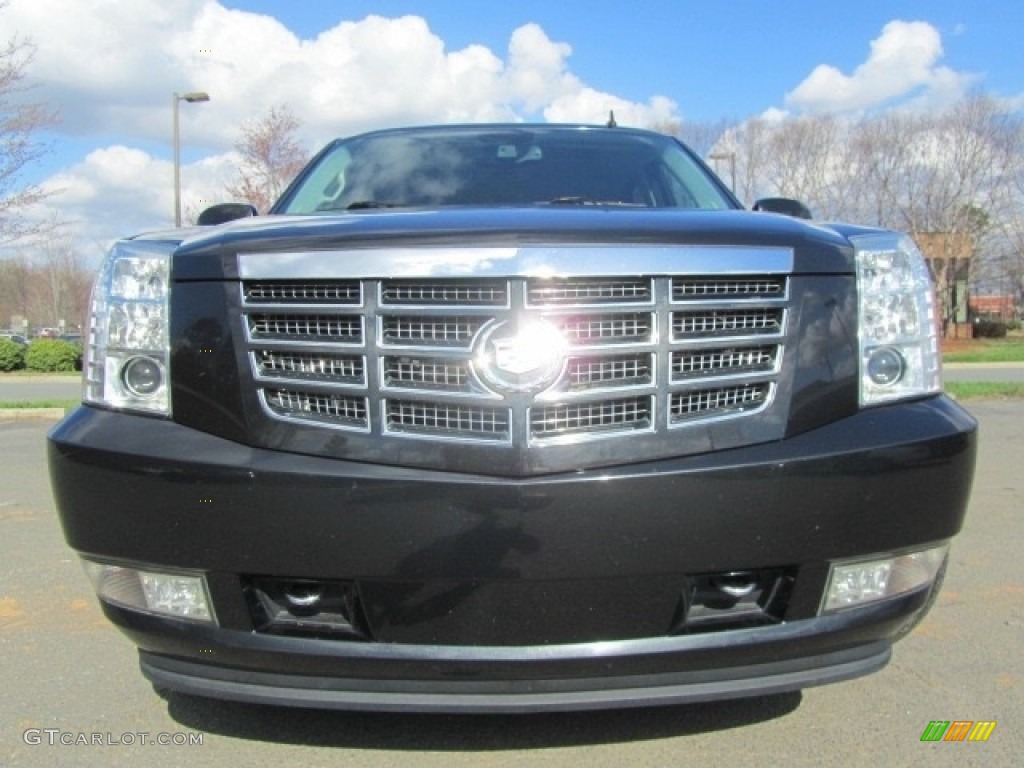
column 504, row 166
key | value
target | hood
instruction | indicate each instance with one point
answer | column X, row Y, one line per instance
column 208, row 253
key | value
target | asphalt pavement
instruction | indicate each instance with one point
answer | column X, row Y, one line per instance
column 22, row 388
column 983, row 372
column 73, row 694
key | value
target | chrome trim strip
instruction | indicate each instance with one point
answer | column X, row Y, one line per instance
column 527, row 261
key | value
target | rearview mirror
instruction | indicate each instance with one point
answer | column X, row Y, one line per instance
column 783, row 205
column 224, row 212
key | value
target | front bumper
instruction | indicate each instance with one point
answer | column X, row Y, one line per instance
column 606, row 686
column 490, row 594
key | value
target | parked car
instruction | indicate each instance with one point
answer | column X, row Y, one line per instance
column 17, row 338
column 512, row 418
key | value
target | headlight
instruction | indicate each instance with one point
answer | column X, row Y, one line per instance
column 127, row 358
column 899, row 346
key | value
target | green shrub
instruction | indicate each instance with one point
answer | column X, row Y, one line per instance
column 53, row 355
column 1013, row 325
column 12, row 356
column 989, row 329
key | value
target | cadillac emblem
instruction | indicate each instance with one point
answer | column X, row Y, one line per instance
column 520, row 356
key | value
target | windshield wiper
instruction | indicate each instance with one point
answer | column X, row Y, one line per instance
column 364, row 204
column 572, row 200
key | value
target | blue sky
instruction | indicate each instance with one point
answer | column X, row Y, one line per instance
column 715, row 60
column 110, row 67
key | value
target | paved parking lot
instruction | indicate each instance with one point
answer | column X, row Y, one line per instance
column 70, row 677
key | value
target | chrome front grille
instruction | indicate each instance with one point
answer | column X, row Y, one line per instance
column 405, row 358
column 702, row 288
column 548, row 293
column 430, row 331
column 710, row 322
column 624, row 414
column 625, row 328
column 329, row 409
column 724, row 361
column 295, row 327
column 417, row 292
column 446, row 420
column 427, row 373
column 613, row 371
column 723, row 400
column 276, row 291
column 271, row 364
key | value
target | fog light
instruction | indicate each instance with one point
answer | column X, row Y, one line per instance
column 170, row 594
column 885, row 366
column 866, row 581
column 142, row 376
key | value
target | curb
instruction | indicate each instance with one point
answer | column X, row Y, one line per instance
column 981, row 366
column 31, row 414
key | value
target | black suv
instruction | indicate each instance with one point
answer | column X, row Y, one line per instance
column 512, row 418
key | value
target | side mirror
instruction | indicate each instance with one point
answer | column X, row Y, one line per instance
column 785, row 206
column 224, row 212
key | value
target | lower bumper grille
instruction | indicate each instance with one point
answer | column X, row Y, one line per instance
column 374, row 612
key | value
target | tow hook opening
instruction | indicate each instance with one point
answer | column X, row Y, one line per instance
column 734, row 599
column 305, row 607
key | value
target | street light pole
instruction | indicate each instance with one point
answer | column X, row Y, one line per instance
column 191, row 97
column 731, row 157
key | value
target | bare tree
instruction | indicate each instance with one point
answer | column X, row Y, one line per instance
column 1002, row 268
column 60, row 287
column 15, row 279
column 747, row 147
column 51, row 286
column 700, row 137
column 270, row 158
column 811, row 159
column 883, row 152
column 20, row 124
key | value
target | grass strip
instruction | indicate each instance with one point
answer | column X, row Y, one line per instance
column 987, row 351
column 24, row 404
column 980, row 390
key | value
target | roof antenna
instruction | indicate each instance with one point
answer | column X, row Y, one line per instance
column 611, row 119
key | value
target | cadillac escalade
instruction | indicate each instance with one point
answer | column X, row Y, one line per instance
column 511, row 418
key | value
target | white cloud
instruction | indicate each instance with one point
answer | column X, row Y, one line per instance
column 104, row 63
column 111, row 67
column 775, row 115
column 117, row 191
column 589, row 106
column 113, row 79
column 537, row 73
column 903, row 64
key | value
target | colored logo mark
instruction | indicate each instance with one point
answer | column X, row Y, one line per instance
column 958, row 730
